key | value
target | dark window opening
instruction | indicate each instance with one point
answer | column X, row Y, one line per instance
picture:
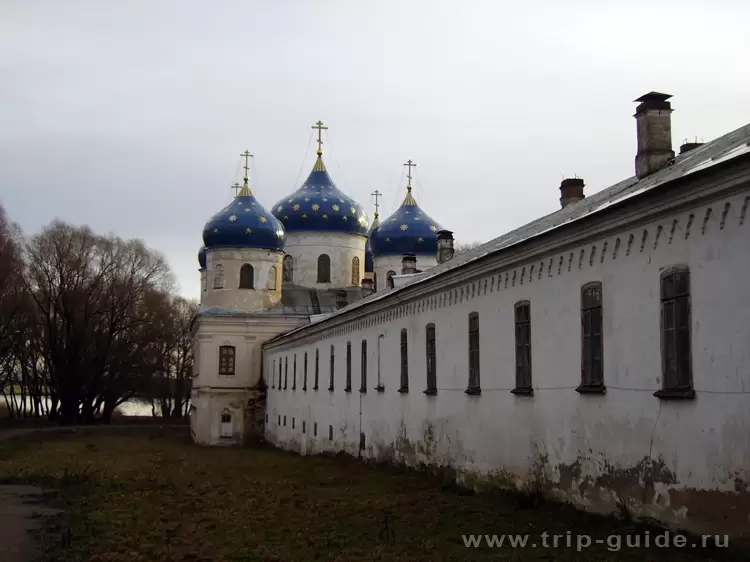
column 523, row 347
column 404, row 362
column 592, row 362
column 348, row 386
column 431, row 352
column 676, row 334
column 247, row 277
column 474, row 380
column 324, row 269
column 363, row 372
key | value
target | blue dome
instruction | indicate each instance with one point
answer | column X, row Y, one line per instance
column 369, row 268
column 407, row 231
column 244, row 223
column 202, row 257
column 319, row 206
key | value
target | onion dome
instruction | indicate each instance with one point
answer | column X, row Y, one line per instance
column 319, row 206
column 202, row 257
column 407, row 231
column 244, row 223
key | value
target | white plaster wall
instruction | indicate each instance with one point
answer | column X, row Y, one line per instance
column 342, row 248
column 212, row 392
column 383, row 264
column 231, row 296
column 586, row 445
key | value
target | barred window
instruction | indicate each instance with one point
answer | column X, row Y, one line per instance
column 592, row 363
column 404, row 362
column 363, row 372
column 226, row 360
column 676, row 332
column 348, row 386
column 431, row 352
column 523, row 346
column 474, row 380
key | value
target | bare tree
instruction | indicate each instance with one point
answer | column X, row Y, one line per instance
column 91, row 295
column 463, row 248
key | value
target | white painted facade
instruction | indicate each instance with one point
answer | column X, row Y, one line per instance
column 685, row 462
column 221, row 279
column 305, row 248
column 382, row 265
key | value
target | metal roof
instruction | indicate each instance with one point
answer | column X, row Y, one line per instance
column 710, row 154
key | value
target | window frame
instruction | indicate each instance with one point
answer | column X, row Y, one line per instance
column 356, row 277
column 363, row 368
column 404, row 361
column 218, row 276
column 431, row 359
column 227, row 353
column 523, row 373
column 304, row 374
column 317, row 368
column 332, row 369
column 592, row 312
column 474, row 386
column 287, row 260
column 681, row 303
column 348, row 387
column 324, row 268
column 244, row 276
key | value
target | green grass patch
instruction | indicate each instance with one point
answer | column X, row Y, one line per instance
column 150, row 495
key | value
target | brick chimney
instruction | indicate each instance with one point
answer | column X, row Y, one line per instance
column 409, row 264
column 444, row 245
column 654, row 134
column 571, row 190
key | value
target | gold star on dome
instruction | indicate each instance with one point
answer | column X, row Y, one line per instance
column 325, row 217
column 407, row 212
column 247, row 210
column 335, row 207
column 345, row 218
column 404, row 227
column 216, row 231
column 286, row 217
column 388, row 240
column 420, row 240
column 417, row 219
column 315, row 207
column 341, row 200
column 279, row 234
column 354, row 211
column 304, row 215
column 307, row 199
column 290, row 200
column 233, row 218
column 279, row 208
column 325, row 199
column 295, row 208
column 248, row 231
column 262, row 219
column 433, row 228
column 362, row 221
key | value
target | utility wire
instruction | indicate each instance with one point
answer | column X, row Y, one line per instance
column 304, row 159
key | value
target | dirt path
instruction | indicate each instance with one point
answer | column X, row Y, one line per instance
column 22, row 512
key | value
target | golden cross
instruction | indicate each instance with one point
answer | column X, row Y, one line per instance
column 320, row 127
column 376, row 194
column 409, row 164
column 247, row 157
column 236, row 188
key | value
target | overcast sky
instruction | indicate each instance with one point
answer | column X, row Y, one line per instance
column 129, row 116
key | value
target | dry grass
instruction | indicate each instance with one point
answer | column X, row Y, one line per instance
column 149, row 495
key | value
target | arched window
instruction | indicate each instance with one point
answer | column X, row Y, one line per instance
column 355, row 270
column 676, row 333
column 247, row 277
column 389, row 279
column 324, row 269
column 272, row 278
column 219, row 276
column 288, row 269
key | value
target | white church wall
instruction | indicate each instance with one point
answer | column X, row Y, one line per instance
column 686, row 462
column 383, row 264
column 266, row 291
column 215, row 394
column 306, row 247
